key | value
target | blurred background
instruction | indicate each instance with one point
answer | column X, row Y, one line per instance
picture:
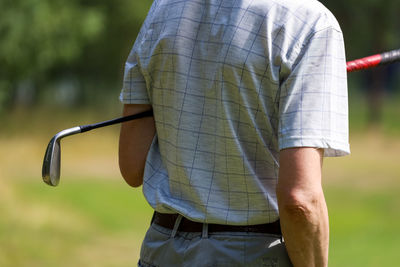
column 61, row 65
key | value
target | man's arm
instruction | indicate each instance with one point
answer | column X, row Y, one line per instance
column 134, row 143
column 302, row 207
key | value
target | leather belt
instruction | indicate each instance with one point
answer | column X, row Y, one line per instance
column 168, row 221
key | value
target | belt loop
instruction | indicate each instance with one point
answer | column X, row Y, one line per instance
column 176, row 226
column 204, row 233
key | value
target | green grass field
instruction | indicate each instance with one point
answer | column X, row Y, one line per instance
column 93, row 219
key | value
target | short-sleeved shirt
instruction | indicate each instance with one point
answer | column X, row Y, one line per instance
column 231, row 83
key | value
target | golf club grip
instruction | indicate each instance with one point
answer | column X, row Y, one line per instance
column 373, row 61
column 85, row 128
column 391, row 57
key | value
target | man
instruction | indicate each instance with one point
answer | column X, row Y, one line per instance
column 248, row 96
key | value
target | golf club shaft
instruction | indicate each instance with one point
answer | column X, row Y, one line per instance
column 354, row 65
column 358, row 64
column 374, row 61
column 85, row 128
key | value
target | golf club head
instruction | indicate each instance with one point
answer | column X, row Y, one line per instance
column 52, row 157
column 51, row 163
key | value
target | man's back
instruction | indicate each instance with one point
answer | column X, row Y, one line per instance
column 247, row 97
column 223, row 80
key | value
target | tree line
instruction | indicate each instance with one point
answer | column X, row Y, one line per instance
column 80, row 45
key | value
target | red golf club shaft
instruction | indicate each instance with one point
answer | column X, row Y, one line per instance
column 373, row 61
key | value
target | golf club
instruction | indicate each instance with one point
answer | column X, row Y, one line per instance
column 374, row 61
column 52, row 157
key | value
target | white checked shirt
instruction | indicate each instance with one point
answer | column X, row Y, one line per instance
column 232, row 82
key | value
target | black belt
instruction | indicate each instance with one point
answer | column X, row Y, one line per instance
column 168, row 221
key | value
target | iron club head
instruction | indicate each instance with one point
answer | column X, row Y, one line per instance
column 52, row 157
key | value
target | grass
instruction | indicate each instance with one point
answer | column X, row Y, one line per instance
column 364, row 227
column 358, row 113
column 94, row 219
column 77, row 224
column 362, row 193
column 91, row 219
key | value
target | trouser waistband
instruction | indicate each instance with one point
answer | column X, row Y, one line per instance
column 185, row 225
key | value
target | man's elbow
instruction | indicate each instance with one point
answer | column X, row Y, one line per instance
column 131, row 177
column 299, row 206
column 133, row 182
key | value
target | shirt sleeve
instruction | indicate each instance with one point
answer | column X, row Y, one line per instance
column 134, row 90
column 313, row 102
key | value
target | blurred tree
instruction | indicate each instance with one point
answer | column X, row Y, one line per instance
column 105, row 58
column 83, row 43
column 369, row 27
column 40, row 35
column 47, row 40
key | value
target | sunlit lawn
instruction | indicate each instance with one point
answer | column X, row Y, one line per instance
column 93, row 219
column 81, row 223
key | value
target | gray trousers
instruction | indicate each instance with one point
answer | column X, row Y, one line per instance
column 165, row 247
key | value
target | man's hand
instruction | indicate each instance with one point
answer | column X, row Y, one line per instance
column 134, row 143
column 302, row 207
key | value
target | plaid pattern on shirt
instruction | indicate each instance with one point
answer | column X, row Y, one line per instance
column 232, row 82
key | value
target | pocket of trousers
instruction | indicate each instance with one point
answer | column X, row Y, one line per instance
column 255, row 249
column 155, row 247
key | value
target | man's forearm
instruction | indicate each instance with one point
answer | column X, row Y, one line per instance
column 305, row 229
column 302, row 207
column 134, row 143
